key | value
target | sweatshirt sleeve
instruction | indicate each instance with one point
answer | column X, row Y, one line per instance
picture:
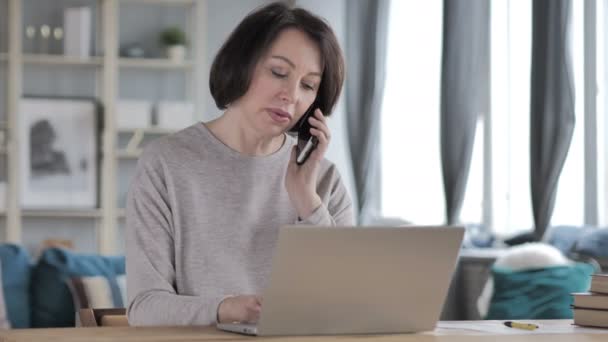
column 337, row 207
column 151, row 272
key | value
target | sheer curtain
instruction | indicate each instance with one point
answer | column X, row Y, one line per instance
column 411, row 164
column 366, row 31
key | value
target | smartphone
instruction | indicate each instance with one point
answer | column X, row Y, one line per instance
column 306, row 141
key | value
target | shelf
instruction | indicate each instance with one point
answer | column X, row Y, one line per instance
column 149, row 130
column 160, row 2
column 66, row 213
column 99, row 75
column 61, row 60
column 122, row 154
column 154, row 63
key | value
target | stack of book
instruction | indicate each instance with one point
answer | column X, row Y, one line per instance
column 591, row 308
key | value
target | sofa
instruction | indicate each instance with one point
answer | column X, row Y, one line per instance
column 48, row 292
column 586, row 244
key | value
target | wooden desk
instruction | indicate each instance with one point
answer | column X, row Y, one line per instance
column 454, row 331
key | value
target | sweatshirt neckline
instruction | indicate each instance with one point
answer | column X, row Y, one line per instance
column 217, row 144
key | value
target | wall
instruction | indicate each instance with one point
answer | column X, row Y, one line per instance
column 222, row 17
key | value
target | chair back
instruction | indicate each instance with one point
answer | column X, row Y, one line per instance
column 102, row 317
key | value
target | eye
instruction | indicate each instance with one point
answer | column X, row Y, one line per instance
column 308, row 86
column 278, row 74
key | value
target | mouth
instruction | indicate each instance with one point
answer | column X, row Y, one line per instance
column 279, row 115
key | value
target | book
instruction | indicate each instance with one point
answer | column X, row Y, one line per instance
column 588, row 300
column 175, row 115
column 77, row 29
column 599, row 283
column 591, row 317
column 133, row 114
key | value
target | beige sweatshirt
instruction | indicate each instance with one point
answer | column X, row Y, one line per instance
column 203, row 221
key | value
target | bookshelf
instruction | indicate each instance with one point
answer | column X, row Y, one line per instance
column 162, row 2
column 124, row 154
column 154, row 63
column 40, row 59
column 150, row 130
column 63, row 213
column 112, row 74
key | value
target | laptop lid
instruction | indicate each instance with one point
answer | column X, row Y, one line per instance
column 361, row 280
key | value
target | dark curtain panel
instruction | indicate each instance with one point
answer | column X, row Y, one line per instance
column 464, row 92
column 551, row 105
column 366, row 33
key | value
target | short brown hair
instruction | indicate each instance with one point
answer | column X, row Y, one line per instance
column 233, row 66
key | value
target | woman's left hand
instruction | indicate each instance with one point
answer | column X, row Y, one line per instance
column 301, row 180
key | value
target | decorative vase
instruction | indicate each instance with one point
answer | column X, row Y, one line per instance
column 176, row 53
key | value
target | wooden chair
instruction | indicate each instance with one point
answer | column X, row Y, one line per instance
column 102, row 318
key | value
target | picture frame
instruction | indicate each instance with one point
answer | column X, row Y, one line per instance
column 59, row 152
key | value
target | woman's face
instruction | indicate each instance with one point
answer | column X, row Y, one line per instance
column 284, row 83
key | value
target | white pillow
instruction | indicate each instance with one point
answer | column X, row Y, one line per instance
column 522, row 257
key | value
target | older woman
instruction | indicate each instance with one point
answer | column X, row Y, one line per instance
column 206, row 204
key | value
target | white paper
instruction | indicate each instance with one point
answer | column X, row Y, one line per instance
column 498, row 328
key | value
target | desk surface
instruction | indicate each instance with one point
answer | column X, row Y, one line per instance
column 454, row 331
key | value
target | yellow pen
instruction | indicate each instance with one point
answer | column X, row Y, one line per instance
column 519, row 325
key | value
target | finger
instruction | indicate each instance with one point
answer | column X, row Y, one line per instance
column 318, row 124
column 316, row 157
column 319, row 152
column 323, row 140
column 319, row 115
column 254, row 317
column 255, row 308
column 253, row 311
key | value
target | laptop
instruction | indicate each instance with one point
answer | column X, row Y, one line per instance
column 356, row 280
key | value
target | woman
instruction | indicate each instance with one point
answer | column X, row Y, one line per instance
column 206, row 204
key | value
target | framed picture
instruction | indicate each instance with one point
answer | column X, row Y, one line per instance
column 58, row 153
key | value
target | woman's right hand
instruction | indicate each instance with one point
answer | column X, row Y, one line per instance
column 242, row 309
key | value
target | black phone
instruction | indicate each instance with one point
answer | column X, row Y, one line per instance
column 306, row 141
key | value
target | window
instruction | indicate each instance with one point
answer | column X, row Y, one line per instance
column 498, row 187
column 570, row 199
column 412, row 185
column 602, row 110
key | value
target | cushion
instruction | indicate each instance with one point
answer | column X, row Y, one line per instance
column 96, row 292
column 530, row 256
column 564, row 238
column 542, row 293
column 593, row 243
column 52, row 303
column 4, row 323
column 16, row 270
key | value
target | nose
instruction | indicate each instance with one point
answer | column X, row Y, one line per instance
column 289, row 93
